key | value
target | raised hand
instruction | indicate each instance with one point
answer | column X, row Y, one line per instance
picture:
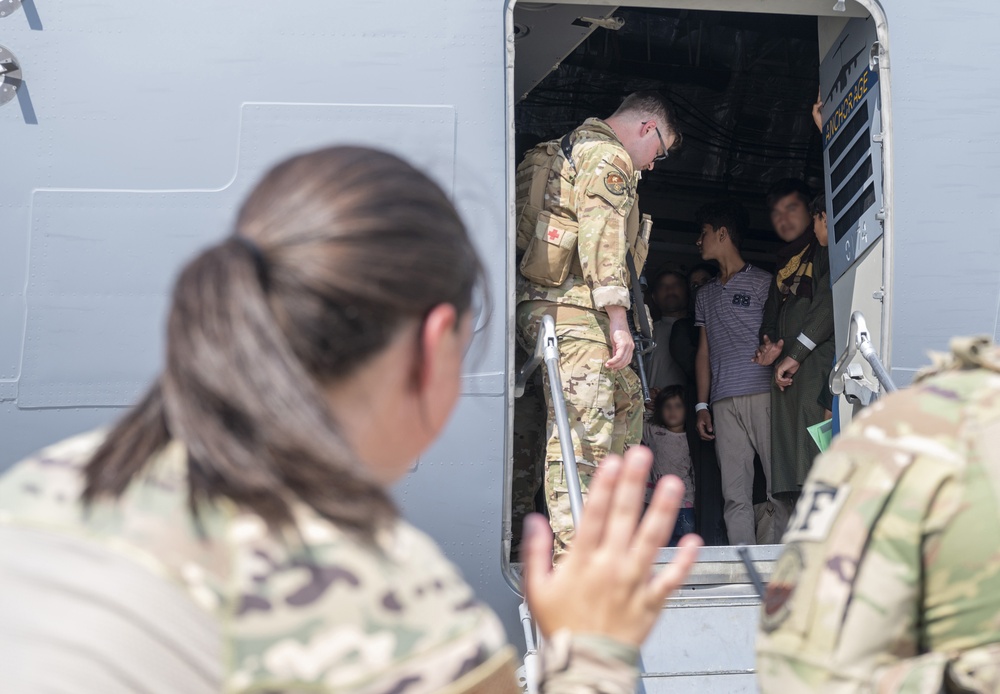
column 818, row 112
column 605, row 584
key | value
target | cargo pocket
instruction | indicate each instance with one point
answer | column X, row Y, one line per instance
column 550, row 251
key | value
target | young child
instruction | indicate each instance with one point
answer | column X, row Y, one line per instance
column 664, row 433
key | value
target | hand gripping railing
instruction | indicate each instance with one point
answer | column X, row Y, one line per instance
column 547, row 350
column 859, row 341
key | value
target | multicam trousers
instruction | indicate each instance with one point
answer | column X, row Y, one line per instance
column 604, row 407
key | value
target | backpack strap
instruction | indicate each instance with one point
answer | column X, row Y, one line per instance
column 567, row 148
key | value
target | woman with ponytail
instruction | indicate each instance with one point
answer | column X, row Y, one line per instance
column 234, row 532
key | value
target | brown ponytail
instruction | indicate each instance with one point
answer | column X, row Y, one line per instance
column 333, row 251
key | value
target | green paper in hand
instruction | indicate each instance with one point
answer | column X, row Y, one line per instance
column 821, row 433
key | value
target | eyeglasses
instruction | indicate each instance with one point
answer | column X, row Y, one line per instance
column 666, row 151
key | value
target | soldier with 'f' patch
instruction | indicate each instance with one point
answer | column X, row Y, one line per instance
column 577, row 222
column 890, row 579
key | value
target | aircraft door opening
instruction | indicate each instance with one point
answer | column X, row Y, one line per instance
column 743, row 76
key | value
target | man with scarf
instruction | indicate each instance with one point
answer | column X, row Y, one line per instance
column 797, row 336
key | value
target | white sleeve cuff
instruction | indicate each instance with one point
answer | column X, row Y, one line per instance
column 806, row 342
column 701, row 406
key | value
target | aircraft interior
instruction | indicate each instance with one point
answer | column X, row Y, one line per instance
column 742, row 84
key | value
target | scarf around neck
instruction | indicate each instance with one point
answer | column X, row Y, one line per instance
column 795, row 265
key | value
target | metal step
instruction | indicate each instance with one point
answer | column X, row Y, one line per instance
column 704, row 640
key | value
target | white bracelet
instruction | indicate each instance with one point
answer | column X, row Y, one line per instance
column 701, row 406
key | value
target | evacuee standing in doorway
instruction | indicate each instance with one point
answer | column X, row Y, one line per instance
column 665, row 433
column 796, row 336
column 734, row 401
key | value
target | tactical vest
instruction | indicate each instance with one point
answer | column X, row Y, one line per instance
column 541, row 260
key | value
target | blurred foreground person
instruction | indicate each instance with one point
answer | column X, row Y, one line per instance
column 234, row 531
column 890, row 580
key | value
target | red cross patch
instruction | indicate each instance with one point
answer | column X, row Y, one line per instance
column 555, row 235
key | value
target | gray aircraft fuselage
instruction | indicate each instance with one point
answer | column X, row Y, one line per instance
column 131, row 131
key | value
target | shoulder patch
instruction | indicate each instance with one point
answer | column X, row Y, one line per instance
column 615, row 183
column 815, row 512
column 621, row 164
column 774, row 608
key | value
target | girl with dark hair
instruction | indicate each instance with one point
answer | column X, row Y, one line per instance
column 665, row 434
column 234, row 532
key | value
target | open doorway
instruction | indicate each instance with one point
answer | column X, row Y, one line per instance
column 743, row 85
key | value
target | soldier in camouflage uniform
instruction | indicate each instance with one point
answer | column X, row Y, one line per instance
column 234, row 531
column 320, row 612
column 890, row 581
column 574, row 268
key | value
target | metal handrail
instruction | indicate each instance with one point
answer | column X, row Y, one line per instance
column 532, row 666
column 547, row 350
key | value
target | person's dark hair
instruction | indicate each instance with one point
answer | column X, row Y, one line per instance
column 784, row 188
column 712, row 270
column 313, row 283
column 818, row 205
column 724, row 213
column 662, row 397
column 655, row 104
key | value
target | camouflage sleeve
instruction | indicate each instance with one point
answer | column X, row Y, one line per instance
column 602, row 213
column 973, row 670
column 345, row 615
column 588, row 664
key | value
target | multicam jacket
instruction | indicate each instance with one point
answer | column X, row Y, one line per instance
column 597, row 189
column 136, row 596
column 890, row 580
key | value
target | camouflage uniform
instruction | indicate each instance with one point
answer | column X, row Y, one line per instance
column 596, row 189
column 315, row 610
column 890, row 581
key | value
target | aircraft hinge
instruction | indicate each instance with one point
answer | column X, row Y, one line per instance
column 10, row 76
column 611, row 23
column 878, row 295
column 875, row 56
column 857, row 388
